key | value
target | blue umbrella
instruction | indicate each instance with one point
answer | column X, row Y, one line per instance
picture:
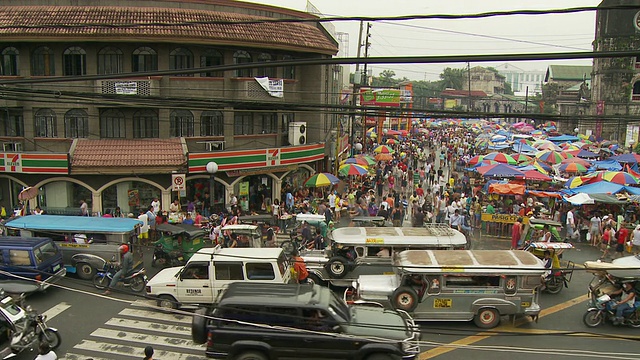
column 626, row 158
column 500, row 170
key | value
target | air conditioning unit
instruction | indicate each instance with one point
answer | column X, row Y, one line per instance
column 12, row 147
column 297, row 133
column 214, row 145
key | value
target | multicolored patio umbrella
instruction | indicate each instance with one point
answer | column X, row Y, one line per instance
column 352, row 170
column 500, row 170
column 547, row 146
column 576, row 181
column 520, row 158
column 582, row 153
column 321, row 180
column 475, row 160
column 620, row 177
column 536, row 176
column 392, row 141
column 384, row 157
column 573, row 168
column 383, row 149
column 356, row 160
column 576, row 160
column 369, row 159
column 501, row 158
column 550, row 156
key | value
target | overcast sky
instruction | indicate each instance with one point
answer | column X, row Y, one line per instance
column 506, row 34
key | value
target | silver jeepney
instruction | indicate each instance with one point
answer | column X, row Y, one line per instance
column 462, row 285
column 356, row 251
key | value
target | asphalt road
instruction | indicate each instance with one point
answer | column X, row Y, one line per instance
column 120, row 326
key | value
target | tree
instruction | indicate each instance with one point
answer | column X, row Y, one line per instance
column 454, row 78
column 386, row 78
column 507, row 89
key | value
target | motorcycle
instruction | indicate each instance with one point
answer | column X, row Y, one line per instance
column 602, row 309
column 32, row 330
column 136, row 279
column 161, row 257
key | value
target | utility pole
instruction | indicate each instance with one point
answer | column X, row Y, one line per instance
column 357, row 80
column 367, row 45
column 526, row 100
column 469, row 78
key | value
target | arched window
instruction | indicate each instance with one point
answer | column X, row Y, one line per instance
column 45, row 121
column 145, row 124
column 9, row 61
column 211, row 57
column 110, row 60
column 211, row 123
column 181, row 58
column 11, row 122
column 242, row 57
column 144, row 59
column 74, row 61
column 112, row 124
column 636, row 91
column 76, row 124
column 266, row 71
column 288, row 71
column 42, row 62
column 181, row 123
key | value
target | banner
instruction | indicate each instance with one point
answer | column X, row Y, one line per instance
column 134, row 198
column 126, row 88
column 275, row 88
column 243, row 188
column 380, row 97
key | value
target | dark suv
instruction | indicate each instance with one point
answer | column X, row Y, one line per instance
column 291, row 321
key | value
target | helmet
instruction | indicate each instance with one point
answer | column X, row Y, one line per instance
column 124, row 249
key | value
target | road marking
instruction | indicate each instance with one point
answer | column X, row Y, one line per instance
column 71, row 356
column 132, row 351
column 146, row 339
column 56, row 310
column 156, row 315
column 145, row 325
column 601, row 336
column 443, row 349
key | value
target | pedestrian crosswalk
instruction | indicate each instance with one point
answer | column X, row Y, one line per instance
column 125, row 336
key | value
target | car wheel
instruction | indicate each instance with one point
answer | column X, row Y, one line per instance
column 337, row 267
column 199, row 326
column 593, row 318
column 487, row 318
column 85, row 271
column 251, row 355
column 405, row 298
column 380, row 356
column 167, row 302
column 315, row 279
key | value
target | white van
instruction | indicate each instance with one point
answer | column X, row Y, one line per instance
column 356, row 251
column 211, row 270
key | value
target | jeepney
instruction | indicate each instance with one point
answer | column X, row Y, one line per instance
column 461, row 285
column 356, row 251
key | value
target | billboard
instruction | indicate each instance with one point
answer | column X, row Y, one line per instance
column 380, row 97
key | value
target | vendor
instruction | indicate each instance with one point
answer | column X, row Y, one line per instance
column 174, row 207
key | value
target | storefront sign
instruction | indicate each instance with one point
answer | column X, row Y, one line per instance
column 380, row 97
column 275, row 88
column 243, row 188
column 134, row 197
column 34, row 163
column 502, row 218
column 261, row 171
column 126, row 88
column 178, row 182
column 261, row 159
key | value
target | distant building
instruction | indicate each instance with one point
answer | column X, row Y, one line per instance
column 483, row 79
column 520, row 79
column 567, row 76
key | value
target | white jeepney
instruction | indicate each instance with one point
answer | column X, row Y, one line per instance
column 356, row 251
column 211, row 270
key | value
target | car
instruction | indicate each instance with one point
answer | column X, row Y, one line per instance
column 301, row 321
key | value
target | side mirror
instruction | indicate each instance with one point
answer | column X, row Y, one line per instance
column 113, row 258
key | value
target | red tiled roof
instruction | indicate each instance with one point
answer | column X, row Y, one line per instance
column 87, row 23
column 463, row 93
column 128, row 153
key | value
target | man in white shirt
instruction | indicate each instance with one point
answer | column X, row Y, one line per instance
column 332, row 202
column 156, row 205
column 571, row 233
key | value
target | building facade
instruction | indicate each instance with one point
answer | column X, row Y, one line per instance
column 90, row 115
column 520, row 79
column 486, row 80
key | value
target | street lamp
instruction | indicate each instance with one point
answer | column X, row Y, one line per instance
column 576, row 130
column 212, row 169
column 358, row 147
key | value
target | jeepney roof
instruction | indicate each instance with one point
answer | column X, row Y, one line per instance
column 74, row 224
column 436, row 235
column 310, row 217
column 236, row 254
column 476, row 261
column 240, row 227
column 551, row 245
column 544, row 222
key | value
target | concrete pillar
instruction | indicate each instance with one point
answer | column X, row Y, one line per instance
column 96, row 203
column 122, row 196
column 165, row 200
column 59, row 194
column 277, row 189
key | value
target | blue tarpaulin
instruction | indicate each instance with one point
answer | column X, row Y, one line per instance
column 563, row 138
column 524, row 149
column 73, row 224
column 610, row 165
column 601, row 187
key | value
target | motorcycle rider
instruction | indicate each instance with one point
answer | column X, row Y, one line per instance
column 45, row 352
column 126, row 266
column 626, row 303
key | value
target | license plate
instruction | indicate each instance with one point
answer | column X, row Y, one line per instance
column 442, row 303
column 56, row 268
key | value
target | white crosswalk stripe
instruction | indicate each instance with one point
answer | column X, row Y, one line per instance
column 125, row 336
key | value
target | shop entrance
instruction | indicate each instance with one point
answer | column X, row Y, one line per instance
column 198, row 191
column 255, row 193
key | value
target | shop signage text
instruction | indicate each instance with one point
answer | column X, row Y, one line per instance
column 29, row 163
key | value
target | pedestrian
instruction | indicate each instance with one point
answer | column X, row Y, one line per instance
column 45, row 352
column 148, row 353
column 635, row 240
column 84, row 208
column 622, row 236
column 516, row 233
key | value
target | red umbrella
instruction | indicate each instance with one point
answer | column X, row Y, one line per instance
column 28, row 193
column 536, row 175
column 474, row 160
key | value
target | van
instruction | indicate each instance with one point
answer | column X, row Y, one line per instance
column 460, row 285
column 356, row 251
column 27, row 258
column 211, row 270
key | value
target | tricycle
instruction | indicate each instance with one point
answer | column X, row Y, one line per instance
column 177, row 244
column 559, row 277
column 609, row 281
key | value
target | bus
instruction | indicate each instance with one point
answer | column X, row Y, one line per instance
column 87, row 243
